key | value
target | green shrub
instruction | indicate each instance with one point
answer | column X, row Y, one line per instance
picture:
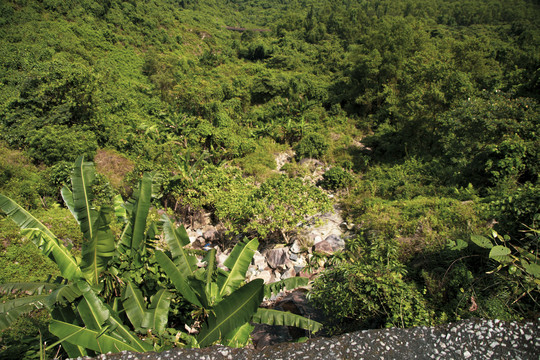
column 21, row 180
column 19, row 341
column 369, row 290
column 514, row 208
column 313, row 145
column 261, row 162
column 357, row 296
column 55, row 143
column 281, row 203
column 336, row 178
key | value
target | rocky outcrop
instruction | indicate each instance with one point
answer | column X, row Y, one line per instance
column 325, row 233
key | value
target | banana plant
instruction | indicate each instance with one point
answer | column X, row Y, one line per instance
column 230, row 303
column 82, row 320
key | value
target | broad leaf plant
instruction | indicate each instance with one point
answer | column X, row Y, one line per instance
column 98, row 305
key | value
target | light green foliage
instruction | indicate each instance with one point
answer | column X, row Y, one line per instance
column 427, row 220
column 403, row 201
column 261, row 162
column 280, row 203
column 20, row 179
column 370, row 290
column 432, row 103
column 23, row 262
column 312, row 145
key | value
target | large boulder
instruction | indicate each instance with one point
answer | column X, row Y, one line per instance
column 210, row 234
column 259, row 261
column 330, row 245
column 278, row 258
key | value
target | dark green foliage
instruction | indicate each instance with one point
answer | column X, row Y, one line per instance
column 312, row 145
column 359, row 296
column 495, row 137
column 336, row 178
column 514, row 208
column 370, row 290
column 59, row 143
column 23, row 339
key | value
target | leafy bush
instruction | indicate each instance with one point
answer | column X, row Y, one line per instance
column 261, row 162
column 336, row 178
column 514, row 208
column 490, row 140
column 55, row 143
column 22, row 180
column 312, row 145
column 281, row 203
column 370, row 290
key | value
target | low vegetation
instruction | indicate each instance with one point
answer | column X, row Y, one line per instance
column 417, row 118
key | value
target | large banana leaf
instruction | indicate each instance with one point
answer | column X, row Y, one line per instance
column 123, row 332
column 67, row 196
column 102, row 314
column 177, row 238
column 90, row 339
column 133, row 303
column 82, row 177
column 51, row 247
column 64, row 294
column 88, row 316
column 119, row 209
column 151, row 235
column 239, row 337
column 157, row 315
column 22, row 217
column 66, row 314
column 289, row 283
column 97, row 312
column 10, row 310
column 179, row 281
column 198, row 285
column 97, row 251
column 29, row 288
column 211, row 289
column 238, row 263
column 232, row 312
column 139, row 205
column 276, row 317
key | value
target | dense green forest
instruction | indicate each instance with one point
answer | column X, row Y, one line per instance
column 423, row 115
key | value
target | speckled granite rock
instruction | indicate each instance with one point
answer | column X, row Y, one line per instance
column 482, row 339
